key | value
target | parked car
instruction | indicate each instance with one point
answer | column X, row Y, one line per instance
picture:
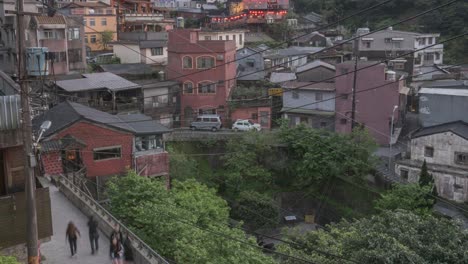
column 245, row 125
column 207, row 122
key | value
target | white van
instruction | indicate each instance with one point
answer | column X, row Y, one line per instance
column 207, row 122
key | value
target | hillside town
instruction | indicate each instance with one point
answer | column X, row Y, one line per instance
column 233, row 131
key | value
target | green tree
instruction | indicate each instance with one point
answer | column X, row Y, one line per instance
column 106, row 37
column 244, row 164
column 392, row 237
column 182, row 167
column 411, row 197
column 8, row 260
column 171, row 222
column 425, row 178
column 315, row 155
column 256, row 210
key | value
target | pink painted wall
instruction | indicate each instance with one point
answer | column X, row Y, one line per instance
column 185, row 43
column 246, row 113
column 52, row 163
column 373, row 108
column 156, row 164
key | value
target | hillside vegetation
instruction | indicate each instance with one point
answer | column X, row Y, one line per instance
column 449, row 21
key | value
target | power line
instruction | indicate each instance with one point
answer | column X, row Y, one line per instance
column 334, row 46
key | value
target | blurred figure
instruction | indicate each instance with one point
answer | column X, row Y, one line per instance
column 93, row 234
column 116, row 251
column 72, row 235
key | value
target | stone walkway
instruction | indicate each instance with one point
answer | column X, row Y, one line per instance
column 57, row 251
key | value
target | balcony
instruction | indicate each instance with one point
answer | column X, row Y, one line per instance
column 13, row 220
column 54, row 45
column 152, row 163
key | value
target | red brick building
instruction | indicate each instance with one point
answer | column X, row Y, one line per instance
column 206, row 70
column 100, row 143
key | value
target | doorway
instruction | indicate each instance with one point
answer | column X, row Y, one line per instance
column 71, row 160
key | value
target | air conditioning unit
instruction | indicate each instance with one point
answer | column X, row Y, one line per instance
column 220, row 57
column 198, row 5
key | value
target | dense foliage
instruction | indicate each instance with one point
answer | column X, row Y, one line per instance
column 8, row 260
column 189, row 223
column 392, row 237
column 256, row 209
column 411, row 197
column 317, row 155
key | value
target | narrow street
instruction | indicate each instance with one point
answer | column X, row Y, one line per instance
column 57, row 251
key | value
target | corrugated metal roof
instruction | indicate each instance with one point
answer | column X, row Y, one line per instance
column 314, row 64
column 95, row 81
column 278, row 77
column 10, row 107
column 57, row 19
column 444, row 91
column 459, row 127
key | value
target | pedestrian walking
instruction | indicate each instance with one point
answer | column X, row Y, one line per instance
column 117, row 234
column 116, row 251
column 93, row 234
column 72, row 235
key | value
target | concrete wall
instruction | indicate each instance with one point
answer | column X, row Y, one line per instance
column 247, row 113
column 379, row 41
column 154, row 164
column 308, row 97
column 149, row 59
column 435, row 109
column 126, row 53
column 445, row 145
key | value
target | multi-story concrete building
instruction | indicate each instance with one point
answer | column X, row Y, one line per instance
column 444, row 147
column 374, row 107
column 238, row 35
column 141, row 47
column 207, row 70
column 100, row 23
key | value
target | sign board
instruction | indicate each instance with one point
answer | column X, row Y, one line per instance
column 275, row 92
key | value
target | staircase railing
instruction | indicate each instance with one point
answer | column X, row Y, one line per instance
column 141, row 251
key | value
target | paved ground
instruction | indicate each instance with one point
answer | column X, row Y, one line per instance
column 57, row 251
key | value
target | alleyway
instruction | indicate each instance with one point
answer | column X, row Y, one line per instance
column 57, row 250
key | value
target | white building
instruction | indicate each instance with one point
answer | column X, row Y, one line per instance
column 445, row 149
column 432, row 55
column 237, row 35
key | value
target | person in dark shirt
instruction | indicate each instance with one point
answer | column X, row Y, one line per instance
column 93, row 234
column 72, row 234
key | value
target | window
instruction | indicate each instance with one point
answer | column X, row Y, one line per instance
column 388, row 40
column 250, row 62
column 99, row 11
column 429, row 152
column 461, row 158
column 437, row 56
column 187, row 62
column 86, row 39
column 429, row 56
column 208, row 111
column 92, row 22
column 240, row 39
column 188, row 88
column 323, row 124
column 404, row 174
column 107, row 153
column 49, row 34
column 84, row 22
column 74, row 55
column 205, row 62
column 73, row 33
column 430, row 41
column 206, row 88
column 254, row 116
column 227, row 37
column 399, row 66
column 295, row 94
column 104, row 21
column 234, row 37
column 207, row 37
column 157, row 51
column 93, row 39
column 343, row 121
column 344, row 70
column 220, row 38
column 344, row 96
column 318, row 96
column 58, row 56
column 109, row 11
column 422, row 41
column 148, row 142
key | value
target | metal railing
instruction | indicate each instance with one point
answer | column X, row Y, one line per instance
column 137, row 244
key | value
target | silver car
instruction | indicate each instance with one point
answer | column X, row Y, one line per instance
column 207, row 122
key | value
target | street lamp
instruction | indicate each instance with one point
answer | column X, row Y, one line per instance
column 391, row 136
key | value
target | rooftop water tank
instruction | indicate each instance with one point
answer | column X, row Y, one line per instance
column 36, row 61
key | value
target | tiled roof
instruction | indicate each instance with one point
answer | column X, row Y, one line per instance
column 57, row 19
column 67, row 113
column 459, row 128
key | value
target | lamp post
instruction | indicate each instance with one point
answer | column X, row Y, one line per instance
column 391, row 136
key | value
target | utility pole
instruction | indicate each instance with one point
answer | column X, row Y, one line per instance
column 353, row 105
column 117, row 12
column 31, row 226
